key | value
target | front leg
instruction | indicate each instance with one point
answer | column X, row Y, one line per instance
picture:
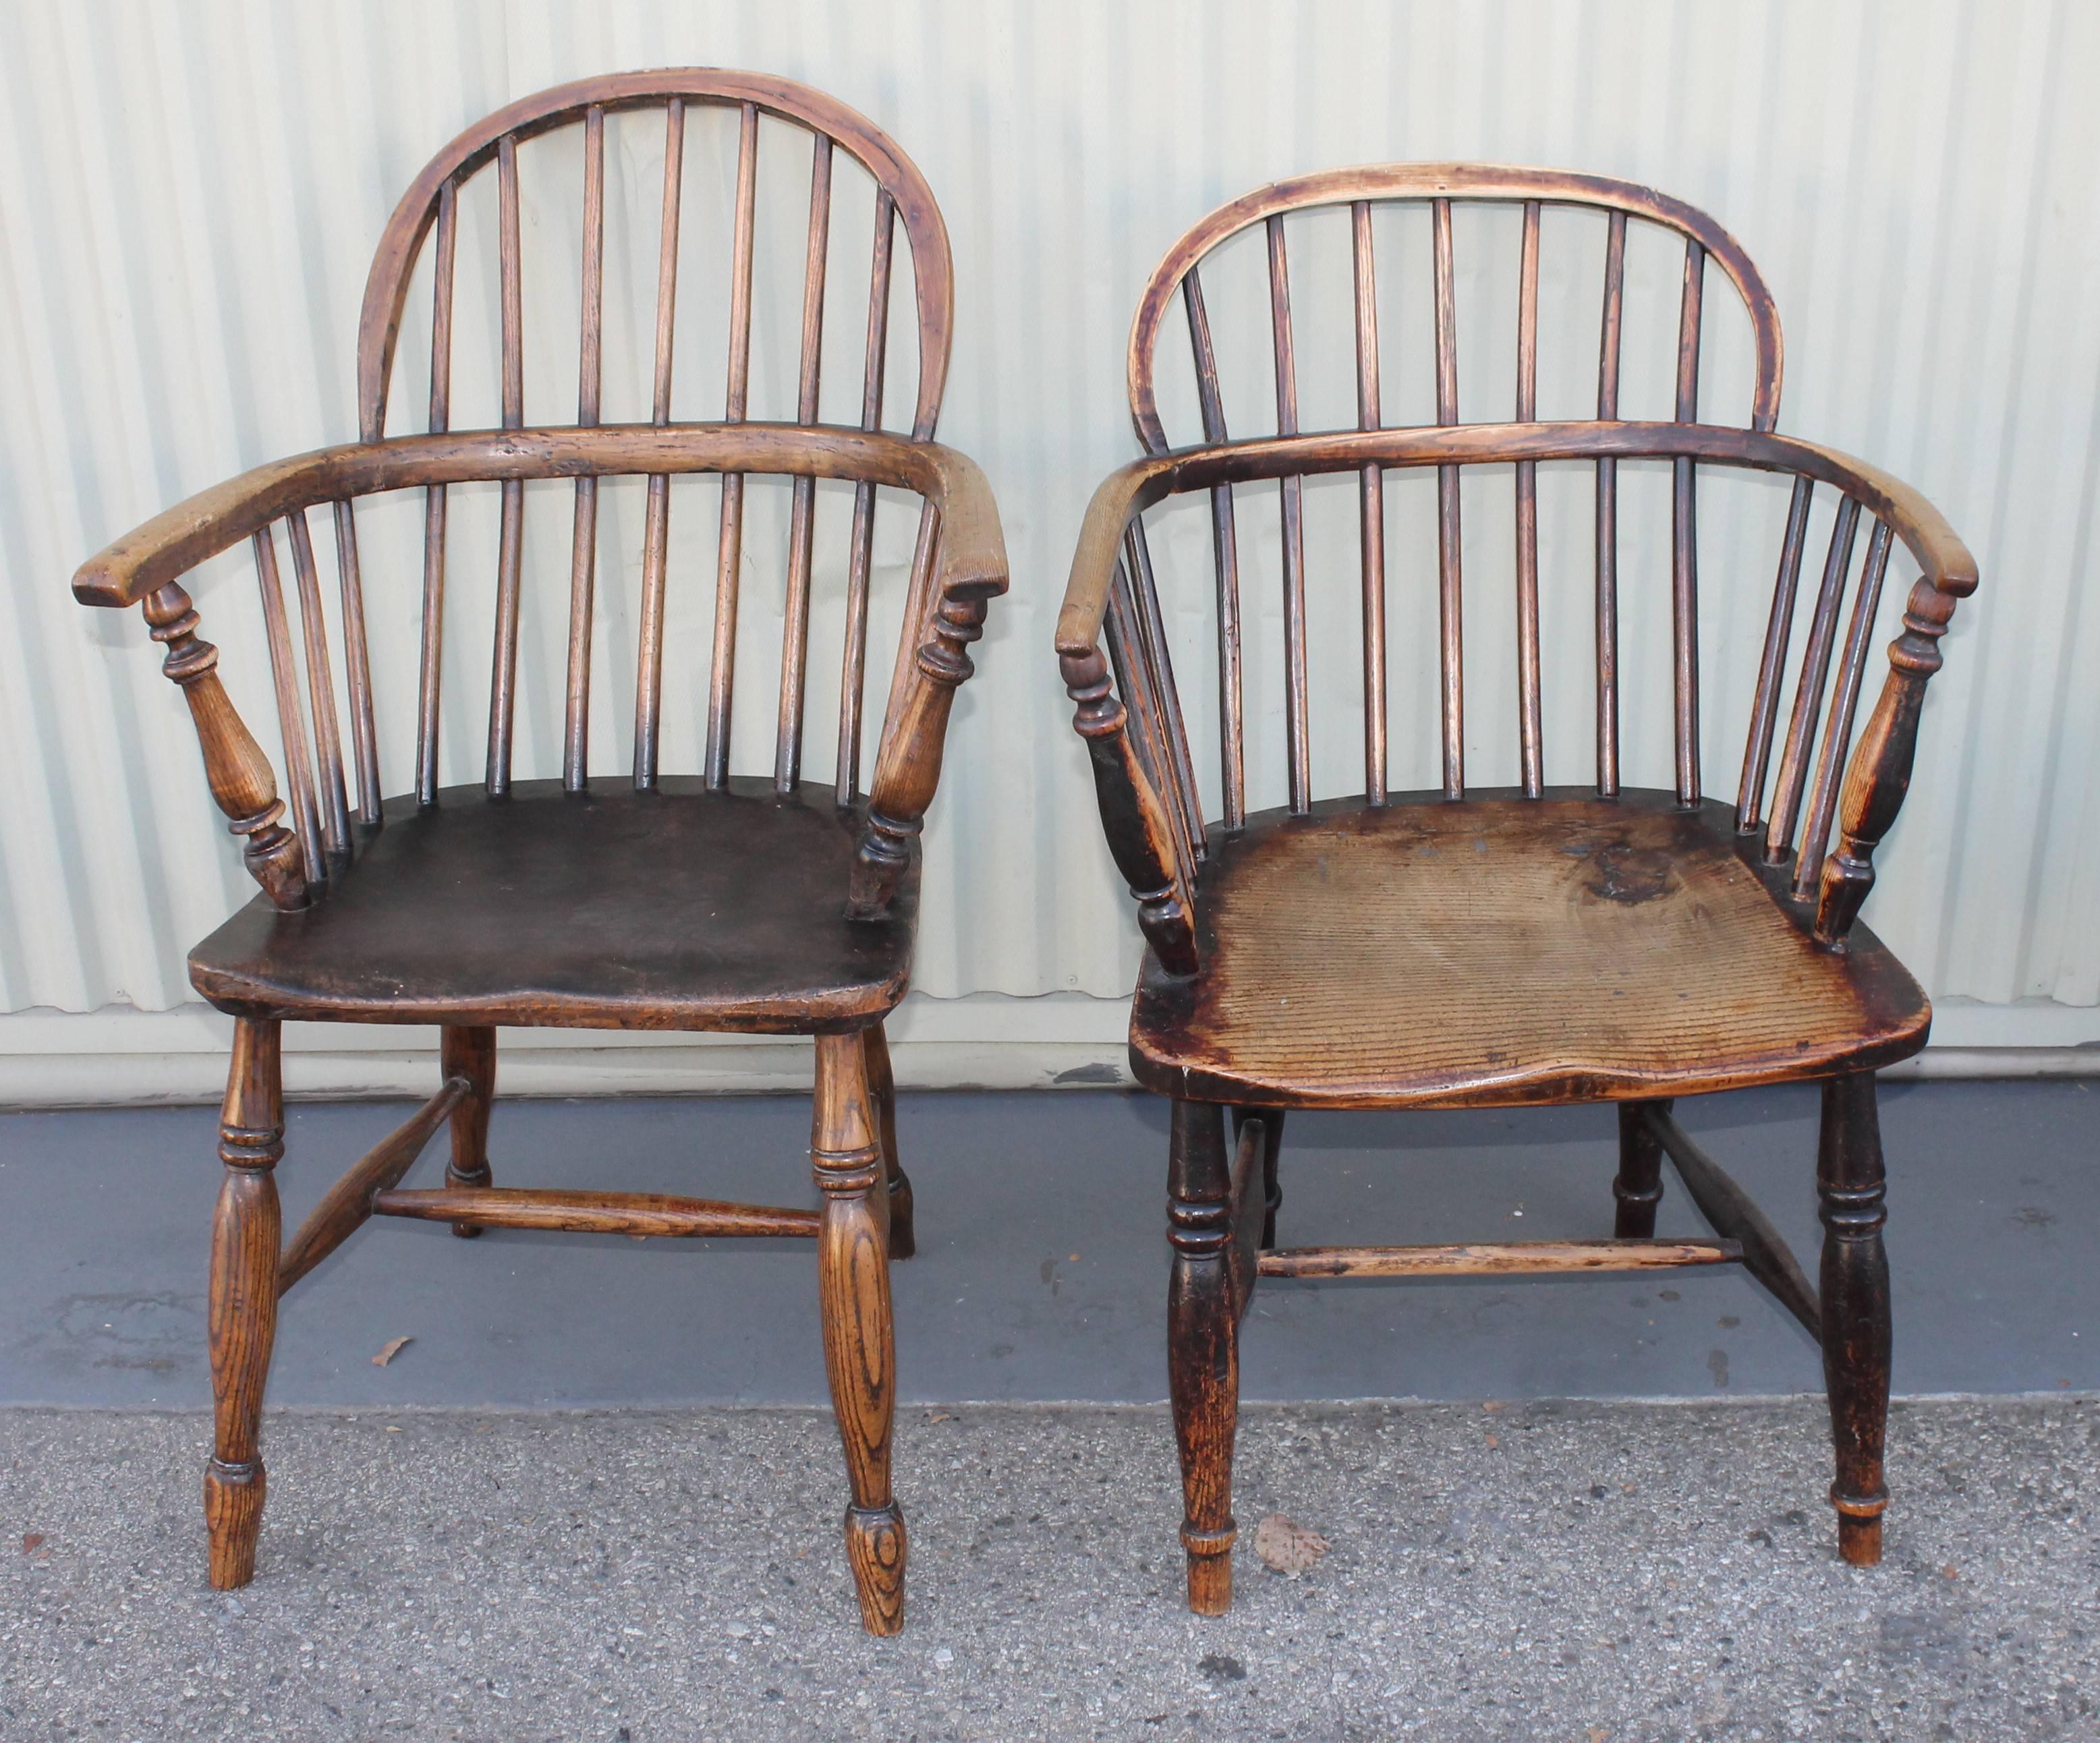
column 1202, row 1348
column 860, row 1354
column 1850, row 1182
column 242, row 1298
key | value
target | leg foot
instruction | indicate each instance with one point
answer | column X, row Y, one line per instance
column 242, row 1299
column 852, row 1271
column 1202, row 1346
column 1638, row 1187
column 470, row 1053
column 1852, row 1185
column 882, row 1093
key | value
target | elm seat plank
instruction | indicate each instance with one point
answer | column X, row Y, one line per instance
column 1502, row 951
column 682, row 908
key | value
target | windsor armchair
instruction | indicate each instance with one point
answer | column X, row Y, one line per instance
column 1454, row 947
column 644, row 900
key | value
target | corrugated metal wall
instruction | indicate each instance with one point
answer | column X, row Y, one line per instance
column 189, row 194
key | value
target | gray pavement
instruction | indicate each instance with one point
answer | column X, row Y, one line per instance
column 1598, row 1573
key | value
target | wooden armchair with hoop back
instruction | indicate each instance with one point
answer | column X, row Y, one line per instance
column 1463, row 948
column 644, row 900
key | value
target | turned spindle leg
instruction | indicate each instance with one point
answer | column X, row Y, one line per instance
column 470, row 1053
column 882, row 1092
column 242, row 1307
column 1202, row 1348
column 853, row 1268
column 1850, row 1181
column 1638, row 1187
column 1272, row 1158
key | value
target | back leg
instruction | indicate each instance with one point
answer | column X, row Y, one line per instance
column 1272, row 1157
column 470, row 1053
column 1638, row 1187
column 882, row 1092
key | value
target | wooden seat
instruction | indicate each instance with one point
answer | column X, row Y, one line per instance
column 625, row 894
column 1485, row 946
column 1505, row 950
column 686, row 908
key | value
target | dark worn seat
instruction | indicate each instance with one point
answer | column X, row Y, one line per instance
column 1504, row 951
column 677, row 909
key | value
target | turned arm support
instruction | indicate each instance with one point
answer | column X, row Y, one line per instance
column 1879, row 775
column 969, row 570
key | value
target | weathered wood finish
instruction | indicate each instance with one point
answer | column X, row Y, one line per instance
column 715, row 902
column 1478, row 947
column 1497, row 1259
column 1849, row 1179
column 241, row 1299
column 853, row 1268
column 632, row 1213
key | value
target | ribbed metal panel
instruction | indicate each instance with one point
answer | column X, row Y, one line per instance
column 189, row 195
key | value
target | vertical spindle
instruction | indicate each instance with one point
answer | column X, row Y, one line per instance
column 320, row 690
column 794, row 629
column 298, row 768
column 853, row 680
column 729, row 550
column 1224, row 546
column 1608, row 514
column 1530, row 734
column 1449, row 603
column 590, row 372
column 503, row 679
column 1808, row 692
column 445, row 253
column 1295, row 722
column 656, row 523
column 1159, row 663
column 357, row 661
column 1370, row 507
column 1772, row 669
column 1684, row 539
column 1844, row 707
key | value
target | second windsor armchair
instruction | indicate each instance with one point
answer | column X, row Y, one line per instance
column 1462, row 948
column 647, row 901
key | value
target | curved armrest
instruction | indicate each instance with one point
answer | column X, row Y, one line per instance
column 972, row 556
column 1948, row 566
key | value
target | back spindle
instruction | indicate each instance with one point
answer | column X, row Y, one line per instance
column 445, row 252
column 729, row 547
column 1295, row 700
column 583, row 560
column 1684, row 542
column 657, row 523
column 1135, row 683
column 1772, row 669
column 795, row 633
column 853, row 679
column 1450, row 605
column 1159, row 674
column 320, row 690
column 510, row 561
column 1530, row 731
column 1608, row 513
column 357, row 661
column 298, row 768
column 1808, row 690
column 1371, row 505
column 1224, row 545
column 1844, row 707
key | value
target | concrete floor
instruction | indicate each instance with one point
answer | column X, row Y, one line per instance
column 1042, row 1266
column 1597, row 1574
